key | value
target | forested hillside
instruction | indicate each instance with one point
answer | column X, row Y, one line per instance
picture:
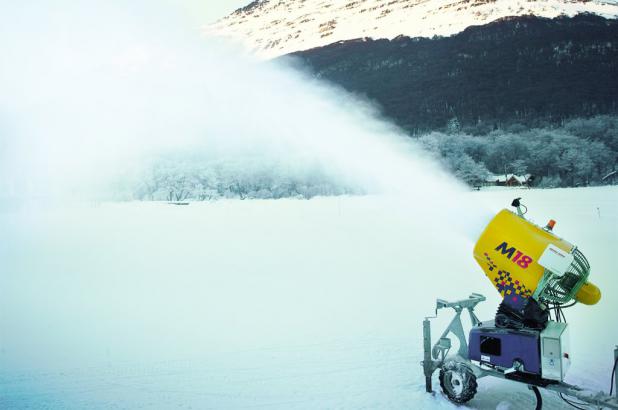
column 525, row 70
column 520, row 95
column 579, row 152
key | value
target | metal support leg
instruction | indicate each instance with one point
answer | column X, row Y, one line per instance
column 443, row 346
column 427, row 362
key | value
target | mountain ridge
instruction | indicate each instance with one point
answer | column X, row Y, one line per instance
column 272, row 28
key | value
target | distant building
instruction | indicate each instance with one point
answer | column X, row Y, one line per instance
column 509, row 180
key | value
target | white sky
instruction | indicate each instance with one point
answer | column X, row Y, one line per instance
column 207, row 11
column 36, row 19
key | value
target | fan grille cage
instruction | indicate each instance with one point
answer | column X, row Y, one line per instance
column 564, row 288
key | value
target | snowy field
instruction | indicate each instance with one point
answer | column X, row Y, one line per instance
column 285, row 304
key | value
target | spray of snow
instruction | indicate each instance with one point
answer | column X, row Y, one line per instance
column 87, row 104
column 87, row 110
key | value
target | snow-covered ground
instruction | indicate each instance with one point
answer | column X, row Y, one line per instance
column 283, row 304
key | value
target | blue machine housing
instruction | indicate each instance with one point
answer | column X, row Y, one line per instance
column 500, row 347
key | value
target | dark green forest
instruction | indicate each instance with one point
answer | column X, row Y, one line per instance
column 523, row 94
column 526, row 70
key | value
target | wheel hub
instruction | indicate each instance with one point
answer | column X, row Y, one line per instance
column 457, row 383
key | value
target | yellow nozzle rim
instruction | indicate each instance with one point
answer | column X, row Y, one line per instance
column 588, row 294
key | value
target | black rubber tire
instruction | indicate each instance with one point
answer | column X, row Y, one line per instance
column 458, row 382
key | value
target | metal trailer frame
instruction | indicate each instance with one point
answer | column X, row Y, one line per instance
column 435, row 356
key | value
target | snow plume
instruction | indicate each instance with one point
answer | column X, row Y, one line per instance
column 118, row 102
column 94, row 99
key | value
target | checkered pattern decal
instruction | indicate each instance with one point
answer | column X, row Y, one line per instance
column 513, row 292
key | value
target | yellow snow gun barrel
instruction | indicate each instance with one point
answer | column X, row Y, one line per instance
column 523, row 260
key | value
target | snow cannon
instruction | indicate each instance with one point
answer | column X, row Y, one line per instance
column 531, row 268
column 538, row 275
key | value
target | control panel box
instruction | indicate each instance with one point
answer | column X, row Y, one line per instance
column 555, row 360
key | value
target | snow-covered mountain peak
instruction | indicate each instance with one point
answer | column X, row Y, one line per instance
column 275, row 27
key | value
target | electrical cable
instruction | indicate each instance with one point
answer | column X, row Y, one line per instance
column 561, row 311
column 569, row 305
column 611, row 386
column 579, row 403
column 539, row 399
column 558, row 311
column 570, row 403
column 558, row 314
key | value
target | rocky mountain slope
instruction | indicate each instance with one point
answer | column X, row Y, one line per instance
column 276, row 27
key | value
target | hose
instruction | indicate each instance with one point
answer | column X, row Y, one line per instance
column 539, row 399
column 611, row 386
